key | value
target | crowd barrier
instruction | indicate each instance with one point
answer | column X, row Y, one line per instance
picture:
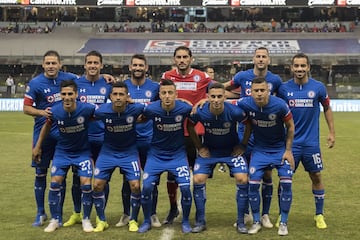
column 337, row 105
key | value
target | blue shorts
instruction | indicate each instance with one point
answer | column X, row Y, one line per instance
column 47, row 150
column 310, row 156
column 127, row 161
column 81, row 161
column 206, row 165
column 261, row 161
column 178, row 166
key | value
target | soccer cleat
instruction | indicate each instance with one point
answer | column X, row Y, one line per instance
column 277, row 224
column 186, row 228
column 87, row 226
column 320, row 221
column 144, row 227
column 255, row 228
column 124, row 220
column 241, row 228
column 155, row 221
column 283, row 231
column 74, row 219
column 101, row 226
column 133, row 226
column 53, row 225
column 199, row 228
column 171, row 216
column 265, row 221
column 39, row 219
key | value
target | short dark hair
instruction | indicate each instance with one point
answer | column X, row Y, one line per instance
column 183, row 48
column 167, row 82
column 120, row 85
column 94, row 53
column 139, row 56
column 52, row 53
column 69, row 83
column 300, row 55
column 216, row 85
column 259, row 80
column 262, row 48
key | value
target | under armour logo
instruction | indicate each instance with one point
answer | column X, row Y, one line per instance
column 252, row 114
column 290, row 94
column 107, row 120
column 157, row 119
column 82, row 90
column 47, row 90
column 60, row 122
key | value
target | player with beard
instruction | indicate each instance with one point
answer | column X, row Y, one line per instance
column 304, row 96
column 141, row 90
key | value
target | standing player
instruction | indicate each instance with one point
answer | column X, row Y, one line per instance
column 167, row 152
column 273, row 130
column 41, row 93
column 141, row 90
column 221, row 145
column 118, row 150
column 191, row 84
column 92, row 88
column 304, row 96
column 243, row 79
column 72, row 119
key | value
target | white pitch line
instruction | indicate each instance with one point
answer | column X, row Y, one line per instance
column 167, row 234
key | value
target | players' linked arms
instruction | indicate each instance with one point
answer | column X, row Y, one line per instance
column 200, row 104
column 109, row 78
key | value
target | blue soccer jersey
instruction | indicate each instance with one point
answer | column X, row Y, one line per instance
column 304, row 102
column 168, row 135
column 145, row 93
column 220, row 130
column 43, row 92
column 243, row 79
column 95, row 92
column 73, row 127
column 120, row 128
column 267, row 122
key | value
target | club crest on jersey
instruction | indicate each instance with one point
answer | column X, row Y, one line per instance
column 311, row 94
column 80, row 120
column 252, row 170
column 27, row 89
column 145, row 175
column 103, row 90
column 196, row 78
column 50, row 99
column 178, row 118
column 196, row 166
column 148, row 94
column 96, row 171
column 270, row 86
column 227, row 124
column 272, row 116
column 82, row 98
column 53, row 169
column 130, row 119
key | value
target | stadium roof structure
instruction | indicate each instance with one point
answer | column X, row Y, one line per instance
column 208, row 48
